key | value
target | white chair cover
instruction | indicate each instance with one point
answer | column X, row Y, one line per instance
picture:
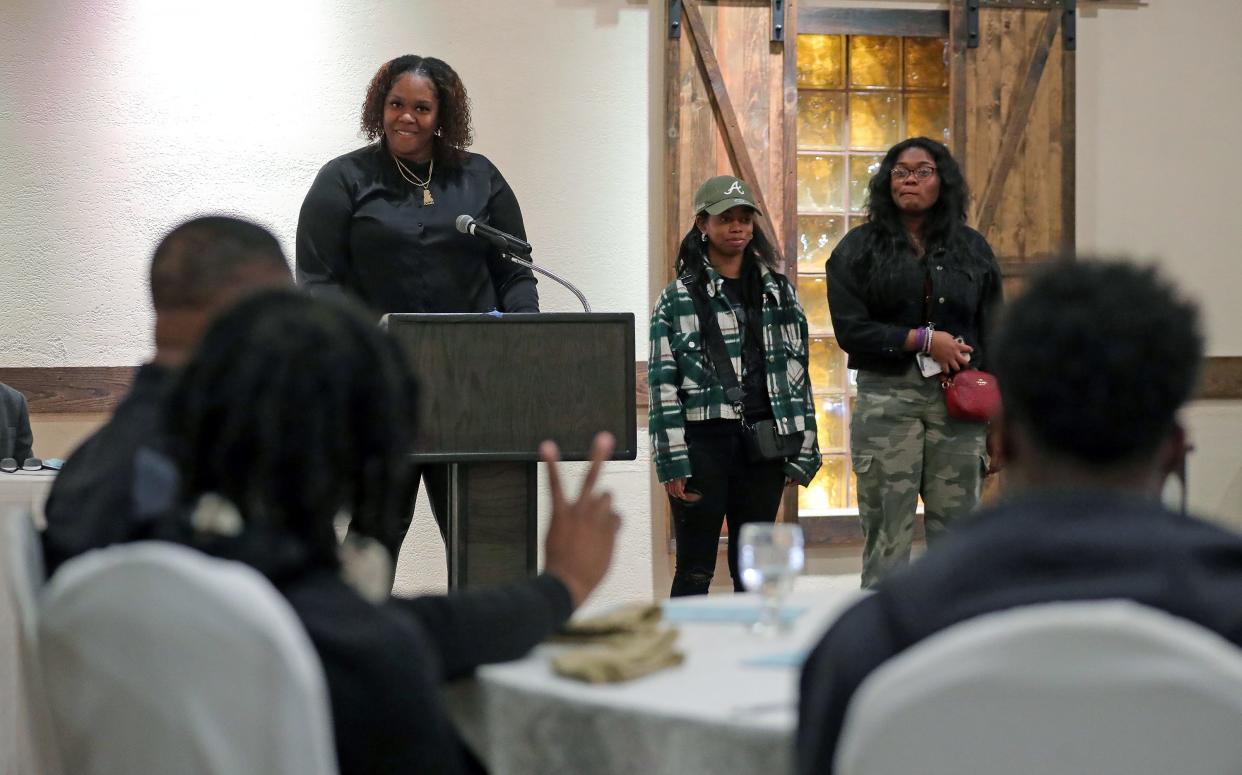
column 160, row 659
column 25, row 732
column 1098, row 688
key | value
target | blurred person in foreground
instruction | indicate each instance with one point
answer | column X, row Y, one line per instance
column 296, row 411
column 201, row 267
column 1094, row 361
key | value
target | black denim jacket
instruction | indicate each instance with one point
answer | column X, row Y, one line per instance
column 966, row 293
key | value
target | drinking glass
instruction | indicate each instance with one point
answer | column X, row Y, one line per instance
column 770, row 557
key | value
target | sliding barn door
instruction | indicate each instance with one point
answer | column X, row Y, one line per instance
column 1013, row 124
column 729, row 108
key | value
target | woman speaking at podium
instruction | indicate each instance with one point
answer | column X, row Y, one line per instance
column 378, row 222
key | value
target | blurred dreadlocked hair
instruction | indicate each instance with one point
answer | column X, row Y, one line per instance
column 296, row 409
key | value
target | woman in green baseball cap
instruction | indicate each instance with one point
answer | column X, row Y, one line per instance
column 731, row 419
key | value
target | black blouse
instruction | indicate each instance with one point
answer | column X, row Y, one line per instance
column 364, row 229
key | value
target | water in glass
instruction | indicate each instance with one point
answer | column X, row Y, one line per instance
column 770, row 557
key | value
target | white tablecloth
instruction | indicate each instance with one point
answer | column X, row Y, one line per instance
column 717, row 713
column 27, row 488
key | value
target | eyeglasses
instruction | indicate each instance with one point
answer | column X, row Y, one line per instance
column 921, row 173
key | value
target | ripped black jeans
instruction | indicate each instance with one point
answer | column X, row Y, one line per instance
column 732, row 489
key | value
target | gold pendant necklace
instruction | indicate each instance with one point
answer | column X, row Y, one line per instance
column 414, row 180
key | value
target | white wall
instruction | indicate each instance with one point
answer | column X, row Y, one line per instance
column 120, row 118
column 1158, row 111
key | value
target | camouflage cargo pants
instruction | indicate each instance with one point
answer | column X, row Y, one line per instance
column 904, row 444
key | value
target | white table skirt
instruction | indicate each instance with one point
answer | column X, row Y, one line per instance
column 714, row 714
column 27, row 488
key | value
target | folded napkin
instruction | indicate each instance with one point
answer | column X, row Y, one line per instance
column 624, row 657
column 620, row 621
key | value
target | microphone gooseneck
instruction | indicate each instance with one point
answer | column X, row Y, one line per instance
column 514, row 249
column 518, row 251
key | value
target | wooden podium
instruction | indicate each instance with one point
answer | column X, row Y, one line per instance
column 492, row 387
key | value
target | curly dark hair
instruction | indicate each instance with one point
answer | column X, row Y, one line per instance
column 456, row 132
column 296, row 408
column 889, row 243
column 1095, row 358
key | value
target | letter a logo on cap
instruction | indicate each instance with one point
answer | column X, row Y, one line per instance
column 735, row 188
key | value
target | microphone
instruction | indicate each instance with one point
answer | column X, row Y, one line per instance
column 506, row 242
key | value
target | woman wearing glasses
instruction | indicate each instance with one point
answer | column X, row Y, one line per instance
column 911, row 293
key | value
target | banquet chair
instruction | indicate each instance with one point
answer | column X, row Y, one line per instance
column 1105, row 688
column 161, row 659
column 25, row 731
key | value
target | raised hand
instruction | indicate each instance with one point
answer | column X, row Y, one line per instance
column 581, row 533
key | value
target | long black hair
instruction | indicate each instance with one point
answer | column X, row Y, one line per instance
column 692, row 264
column 295, row 409
column 889, row 241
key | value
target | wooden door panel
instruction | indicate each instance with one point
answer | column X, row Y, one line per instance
column 1013, row 126
column 730, row 110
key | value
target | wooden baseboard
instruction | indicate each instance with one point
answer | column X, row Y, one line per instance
column 84, row 389
column 1222, row 379
column 71, row 390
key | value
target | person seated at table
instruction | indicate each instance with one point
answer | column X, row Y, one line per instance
column 199, row 268
column 1093, row 362
column 16, row 439
column 297, row 410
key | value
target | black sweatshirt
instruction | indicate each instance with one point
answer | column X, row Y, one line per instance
column 91, row 504
column 1031, row 549
column 365, row 230
column 385, row 664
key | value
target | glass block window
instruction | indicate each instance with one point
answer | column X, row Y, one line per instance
column 857, row 96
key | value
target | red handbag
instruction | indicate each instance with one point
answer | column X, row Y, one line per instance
column 971, row 395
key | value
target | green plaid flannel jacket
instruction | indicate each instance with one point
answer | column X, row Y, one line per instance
column 683, row 386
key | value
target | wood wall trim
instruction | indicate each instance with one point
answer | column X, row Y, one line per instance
column 672, row 146
column 1222, row 379
column 70, row 390
column 789, row 139
column 871, row 21
column 845, row 530
column 92, row 389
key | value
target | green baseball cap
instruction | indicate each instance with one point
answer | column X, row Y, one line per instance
column 722, row 192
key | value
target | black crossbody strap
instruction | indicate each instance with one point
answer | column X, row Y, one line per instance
column 713, row 342
column 778, row 335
